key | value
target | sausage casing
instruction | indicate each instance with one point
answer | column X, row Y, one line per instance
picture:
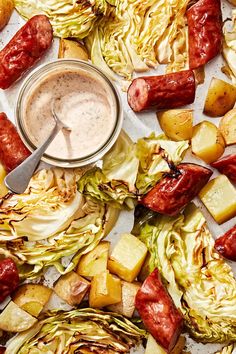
column 158, row 311
column 9, row 278
column 227, row 166
column 204, row 32
column 162, row 92
column 226, row 244
column 25, row 49
column 12, row 149
column 176, row 190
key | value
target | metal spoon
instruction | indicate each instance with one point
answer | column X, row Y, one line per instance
column 17, row 181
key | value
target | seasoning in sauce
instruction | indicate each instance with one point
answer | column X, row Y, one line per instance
column 82, row 101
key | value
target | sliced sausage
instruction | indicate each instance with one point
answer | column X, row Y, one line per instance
column 9, row 278
column 12, row 149
column 226, row 244
column 204, row 32
column 2, row 350
column 165, row 91
column 177, row 189
column 158, row 312
column 25, row 49
column 227, row 166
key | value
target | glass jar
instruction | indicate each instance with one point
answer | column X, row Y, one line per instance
column 63, row 65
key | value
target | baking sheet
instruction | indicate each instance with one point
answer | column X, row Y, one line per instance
column 136, row 126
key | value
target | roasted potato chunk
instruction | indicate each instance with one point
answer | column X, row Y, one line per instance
column 14, row 319
column 127, row 305
column 71, row 49
column 3, row 188
column 6, row 9
column 72, row 288
column 105, row 290
column 153, row 347
column 177, row 124
column 127, row 257
column 228, row 127
column 207, row 142
column 94, row 262
column 32, row 298
column 220, row 98
column 219, row 197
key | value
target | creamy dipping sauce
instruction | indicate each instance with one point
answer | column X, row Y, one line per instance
column 83, row 102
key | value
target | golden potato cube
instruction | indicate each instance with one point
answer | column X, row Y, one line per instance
column 3, row 188
column 32, row 298
column 219, row 197
column 207, row 142
column 14, row 319
column 220, row 98
column 127, row 305
column 71, row 49
column 153, row 347
column 72, row 288
column 228, row 127
column 94, row 262
column 127, row 257
column 105, row 290
column 177, row 124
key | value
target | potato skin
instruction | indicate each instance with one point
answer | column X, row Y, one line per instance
column 177, row 124
column 207, row 142
column 227, row 127
column 70, row 49
column 220, row 98
column 6, row 8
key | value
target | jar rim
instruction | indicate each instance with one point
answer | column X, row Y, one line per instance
column 39, row 73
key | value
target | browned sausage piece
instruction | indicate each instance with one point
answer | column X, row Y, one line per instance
column 9, row 278
column 25, row 49
column 227, row 166
column 226, row 244
column 158, row 311
column 12, row 149
column 204, row 32
column 176, row 190
column 161, row 92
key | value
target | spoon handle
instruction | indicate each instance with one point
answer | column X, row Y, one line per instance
column 17, row 181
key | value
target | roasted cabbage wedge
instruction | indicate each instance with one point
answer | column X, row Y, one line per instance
column 51, row 220
column 123, row 37
column 84, row 330
column 229, row 48
column 69, row 18
column 198, row 279
column 130, row 169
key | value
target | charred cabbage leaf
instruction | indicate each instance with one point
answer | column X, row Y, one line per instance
column 84, row 331
column 134, row 34
column 69, row 18
column 198, row 279
column 132, row 169
column 226, row 350
column 39, row 229
column 229, row 48
column 47, row 207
